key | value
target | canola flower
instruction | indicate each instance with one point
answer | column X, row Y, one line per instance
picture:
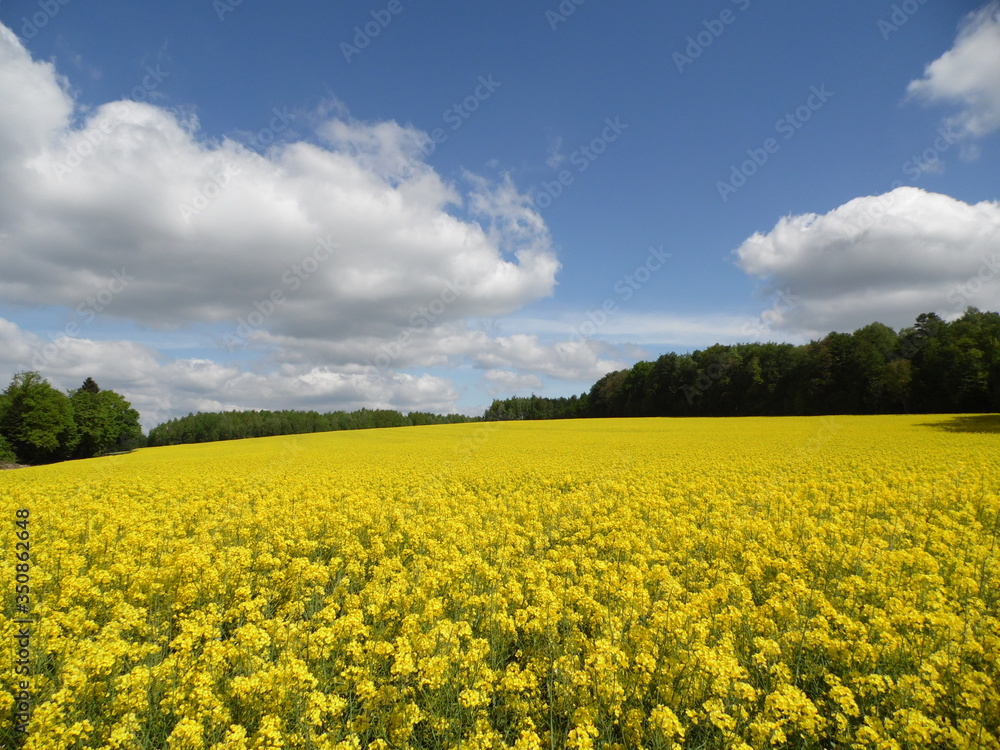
column 730, row 583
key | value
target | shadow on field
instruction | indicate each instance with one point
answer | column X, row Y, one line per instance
column 969, row 423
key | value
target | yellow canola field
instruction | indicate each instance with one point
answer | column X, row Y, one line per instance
column 730, row 583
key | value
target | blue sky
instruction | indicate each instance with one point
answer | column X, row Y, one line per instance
column 424, row 206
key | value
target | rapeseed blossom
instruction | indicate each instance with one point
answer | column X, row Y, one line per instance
column 731, row 583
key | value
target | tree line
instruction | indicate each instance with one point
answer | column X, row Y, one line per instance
column 933, row 366
column 206, row 427
column 40, row 424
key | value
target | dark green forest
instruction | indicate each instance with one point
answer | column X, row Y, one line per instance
column 933, row 366
column 40, row 425
column 234, row 425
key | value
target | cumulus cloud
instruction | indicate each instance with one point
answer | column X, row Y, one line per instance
column 508, row 382
column 161, row 388
column 452, row 344
column 34, row 103
column 315, row 254
column 886, row 258
column 565, row 360
column 351, row 233
column 968, row 75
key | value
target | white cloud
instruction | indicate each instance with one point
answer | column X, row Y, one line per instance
column 325, row 377
column 886, row 258
column 34, row 102
column 453, row 343
column 509, row 383
column 556, row 158
column 161, row 388
column 565, row 360
column 968, row 74
column 207, row 229
column 315, row 255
